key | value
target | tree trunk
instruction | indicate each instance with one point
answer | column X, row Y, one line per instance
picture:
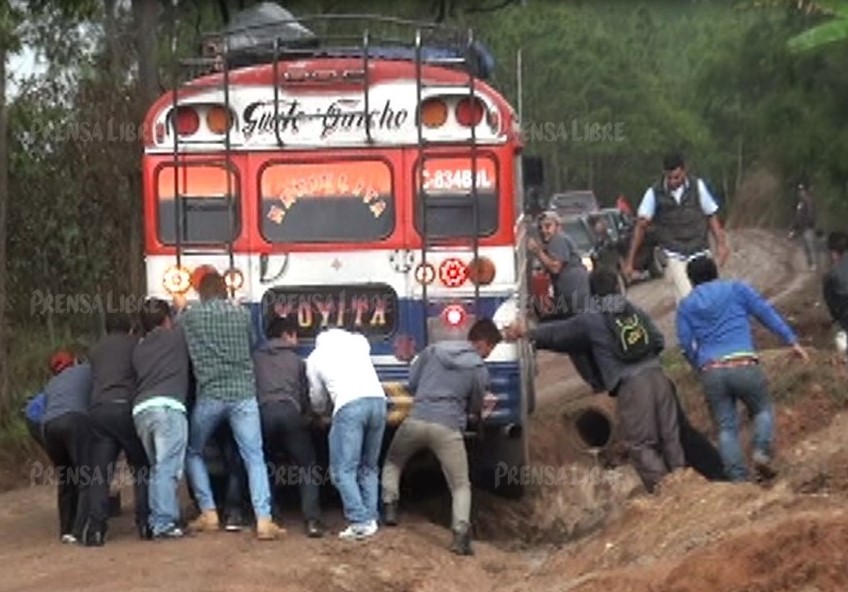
column 4, row 202
column 740, row 173
column 110, row 28
column 144, row 17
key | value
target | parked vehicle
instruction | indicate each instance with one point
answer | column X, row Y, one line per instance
column 650, row 260
column 574, row 203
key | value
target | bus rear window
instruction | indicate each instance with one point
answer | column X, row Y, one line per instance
column 207, row 195
column 446, row 194
column 339, row 201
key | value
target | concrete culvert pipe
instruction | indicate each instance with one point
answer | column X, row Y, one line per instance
column 593, row 428
column 591, row 424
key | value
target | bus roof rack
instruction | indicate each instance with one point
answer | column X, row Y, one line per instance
column 267, row 32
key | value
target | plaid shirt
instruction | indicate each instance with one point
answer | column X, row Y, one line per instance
column 219, row 335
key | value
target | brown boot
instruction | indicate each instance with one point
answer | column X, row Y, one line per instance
column 206, row 522
column 266, row 530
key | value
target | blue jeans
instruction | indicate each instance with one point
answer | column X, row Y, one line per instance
column 164, row 434
column 243, row 417
column 724, row 387
column 356, row 437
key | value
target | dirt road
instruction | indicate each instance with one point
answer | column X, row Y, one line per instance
column 412, row 557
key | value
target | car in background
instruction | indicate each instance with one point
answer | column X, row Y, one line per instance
column 574, row 203
column 650, row 259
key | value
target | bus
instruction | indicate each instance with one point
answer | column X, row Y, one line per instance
column 371, row 186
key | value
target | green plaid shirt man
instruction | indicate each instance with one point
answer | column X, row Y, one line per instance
column 219, row 335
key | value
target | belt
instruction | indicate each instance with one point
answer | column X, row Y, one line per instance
column 731, row 363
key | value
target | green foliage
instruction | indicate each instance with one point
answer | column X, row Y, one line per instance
column 730, row 87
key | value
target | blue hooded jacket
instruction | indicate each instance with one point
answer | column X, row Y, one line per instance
column 713, row 321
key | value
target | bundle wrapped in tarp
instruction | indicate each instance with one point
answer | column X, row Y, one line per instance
column 251, row 34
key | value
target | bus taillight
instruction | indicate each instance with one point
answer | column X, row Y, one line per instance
column 481, row 271
column 218, row 120
column 187, row 121
column 176, row 280
column 453, row 272
column 434, row 113
column 469, row 112
column 453, row 315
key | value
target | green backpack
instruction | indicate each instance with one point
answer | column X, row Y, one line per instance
column 629, row 328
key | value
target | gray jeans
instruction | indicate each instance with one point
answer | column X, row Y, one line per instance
column 449, row 447
column 647, row 411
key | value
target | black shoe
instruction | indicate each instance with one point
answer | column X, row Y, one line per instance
column 145, row 533
column 763, row 467
column 94, row 538
column 390, row 513
column 462, row 541
column 314, row 529
column 115, row 505
column 235, row 522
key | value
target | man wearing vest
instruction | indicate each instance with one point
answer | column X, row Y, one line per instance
column 684, row 213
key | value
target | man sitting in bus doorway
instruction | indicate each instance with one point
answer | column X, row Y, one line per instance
column 447, row 380
column 218, row 333
column 560, row 257
column 286, row 412
column 341, row 373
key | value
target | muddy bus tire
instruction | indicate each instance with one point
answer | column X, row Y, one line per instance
column 498, row 458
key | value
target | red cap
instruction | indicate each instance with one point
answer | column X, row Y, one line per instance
column 60, row 360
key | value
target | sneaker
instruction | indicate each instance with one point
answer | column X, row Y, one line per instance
column 357, row 532
column 68, row 539
column 763, row 466
column 175, row 532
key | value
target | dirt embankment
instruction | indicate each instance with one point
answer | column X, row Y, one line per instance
column 583, row 527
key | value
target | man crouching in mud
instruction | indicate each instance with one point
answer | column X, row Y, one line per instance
column 626, row 345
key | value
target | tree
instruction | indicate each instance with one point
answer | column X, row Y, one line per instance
column 9, row 43
column 834, row 30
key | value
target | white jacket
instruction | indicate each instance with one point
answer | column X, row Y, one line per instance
column 340, row 368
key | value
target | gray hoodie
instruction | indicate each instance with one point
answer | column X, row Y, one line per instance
column 448, row 380
column 68, row 392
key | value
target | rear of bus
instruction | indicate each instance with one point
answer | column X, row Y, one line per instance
column 333, row 229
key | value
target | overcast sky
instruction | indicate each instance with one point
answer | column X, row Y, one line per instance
column 20, row 65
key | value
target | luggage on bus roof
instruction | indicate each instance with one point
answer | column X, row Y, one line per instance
column 251, row 34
